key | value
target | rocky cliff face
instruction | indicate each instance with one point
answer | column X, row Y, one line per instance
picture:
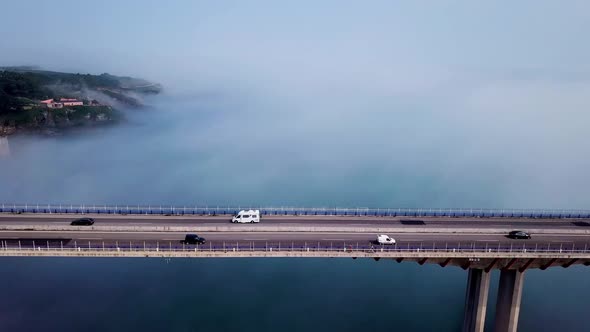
column 52, row 121
column 6, row 130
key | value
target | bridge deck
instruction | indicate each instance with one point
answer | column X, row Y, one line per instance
column 467, row 242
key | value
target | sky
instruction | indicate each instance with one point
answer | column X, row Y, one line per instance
column 412, row 44
column 489, row 94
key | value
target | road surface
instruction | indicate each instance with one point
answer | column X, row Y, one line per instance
column 459, row 222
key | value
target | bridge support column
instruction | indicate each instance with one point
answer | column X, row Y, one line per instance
column 508, row 303
column 476, row 300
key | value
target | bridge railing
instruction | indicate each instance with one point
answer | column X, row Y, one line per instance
column 292, row 211
column 263, row 246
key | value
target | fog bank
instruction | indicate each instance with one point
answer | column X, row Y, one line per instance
column 333, row 104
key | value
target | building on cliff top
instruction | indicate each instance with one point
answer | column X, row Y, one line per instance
column 50, row 103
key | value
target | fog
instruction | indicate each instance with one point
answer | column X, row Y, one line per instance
column 340, row 104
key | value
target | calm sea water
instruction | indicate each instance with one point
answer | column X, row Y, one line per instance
column 225, row 150
column 63, row 294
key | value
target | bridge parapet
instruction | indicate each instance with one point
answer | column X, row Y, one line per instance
column 482, row 258
column 292, row 211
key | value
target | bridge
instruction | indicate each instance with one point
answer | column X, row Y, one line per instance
column 472, row 239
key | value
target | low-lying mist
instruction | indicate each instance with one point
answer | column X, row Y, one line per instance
column 337, row 103
column 462, row 143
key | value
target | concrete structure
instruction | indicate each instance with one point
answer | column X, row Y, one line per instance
column 71, row 102
column 50, row 103
column 476, row 300
column 476, row 244
column 508, row 303
column 510, row 214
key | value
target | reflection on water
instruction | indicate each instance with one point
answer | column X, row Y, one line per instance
column 286, row 294
column 4, row 147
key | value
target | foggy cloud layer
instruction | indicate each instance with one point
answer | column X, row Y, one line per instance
column 343, row 105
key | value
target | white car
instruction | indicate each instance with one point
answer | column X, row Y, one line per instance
column 246, row 216
column 385, row 239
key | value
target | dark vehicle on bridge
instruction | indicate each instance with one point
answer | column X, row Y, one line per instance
column 519, row 235
column 83, row 222
column 193, row 239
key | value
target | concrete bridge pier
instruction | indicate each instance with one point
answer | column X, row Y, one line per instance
column 476, row 300
column 508, row 303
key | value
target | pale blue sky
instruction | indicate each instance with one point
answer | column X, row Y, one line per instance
column 276, row 38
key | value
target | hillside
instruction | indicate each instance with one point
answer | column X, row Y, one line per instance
column 35, row 84
column 30, row 98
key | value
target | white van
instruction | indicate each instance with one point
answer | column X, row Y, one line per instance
column 247, row 216
column 385, row 239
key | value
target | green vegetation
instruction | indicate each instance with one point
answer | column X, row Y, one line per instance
column 33, row 84
column 22, row 118
column 41, row 117
column 43, row 77
column 81, row 114
column 17, row 90
column 22, row 88
column 105, row 80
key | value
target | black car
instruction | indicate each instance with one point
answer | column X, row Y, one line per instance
column 82, row 222
column 519, row 235
column 193, row 239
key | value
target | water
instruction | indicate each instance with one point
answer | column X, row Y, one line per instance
column 232, row 150
column 227, row 295
column 98, row 294
column 236, row 149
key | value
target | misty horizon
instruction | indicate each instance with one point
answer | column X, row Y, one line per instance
column 358, row 104
column 251, row 108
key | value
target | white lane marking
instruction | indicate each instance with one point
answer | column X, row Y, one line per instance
column 171, row 239
column 537, row 236
column 90, row 238
column 486, row 240
column 255, row 239
column 333, row 239
column 556, row 241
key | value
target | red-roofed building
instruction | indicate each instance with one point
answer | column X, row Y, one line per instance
column 50, row 103
column 71, row 102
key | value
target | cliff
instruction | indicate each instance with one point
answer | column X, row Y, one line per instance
column 23, row 88
column 51, row 121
